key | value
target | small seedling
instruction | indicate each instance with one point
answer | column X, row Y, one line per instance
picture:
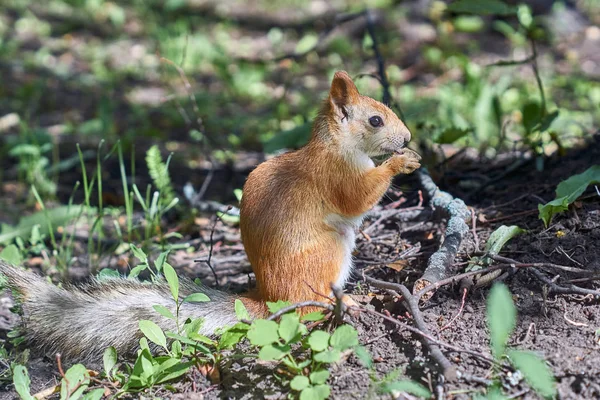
column 501, row 319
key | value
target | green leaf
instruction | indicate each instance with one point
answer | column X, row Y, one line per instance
column 344, row 337
column 548, row 120
column 135, row 271
column 174, row 369
column 532, row 114
column 567, row 192
column 109, row 359
column 479, row 7
column 164, row 311
column 500, row 236
column 319, row 340
column 536, row 372
column 272, row 352
column 299, row 383
column 328, row 356
column 108, row 273
column 319, row 377
column 313, row 316
column 196, row 298
column 233, row 335
column 501, row 317
column 138, row 253
column 524, row 15
column 172, row 280
column 12, row 255
column 160, row 260
column 263, row 332
column 55, row 217
column 495, row 243
column 451, row 135
column 22, row 382
column 240, row 311
column 153, row 333
column 307, row 43
column 319, row 392
column 75, row 382
column 363, row 355
column 289, row 327
column 277, row 305
column 238, row 194
column 410, row 387
column 95, row 394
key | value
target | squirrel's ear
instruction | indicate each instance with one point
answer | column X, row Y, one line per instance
column 343, row 91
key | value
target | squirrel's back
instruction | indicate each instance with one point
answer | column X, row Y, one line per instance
column 81, row 321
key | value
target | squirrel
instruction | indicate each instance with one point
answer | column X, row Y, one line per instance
column 298, row 216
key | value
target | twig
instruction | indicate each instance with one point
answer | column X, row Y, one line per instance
column 210, row 252
column 411, row 302
column 380, row 62
column 568, row 289
column 424, row 335
column 296, row 306
column 460, row 310
column 507, row 260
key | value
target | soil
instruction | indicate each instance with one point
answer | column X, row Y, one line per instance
column 561, row 328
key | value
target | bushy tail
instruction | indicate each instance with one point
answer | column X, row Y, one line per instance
column 80, row 322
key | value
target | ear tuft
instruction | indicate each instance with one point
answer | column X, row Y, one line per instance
column 343, row 91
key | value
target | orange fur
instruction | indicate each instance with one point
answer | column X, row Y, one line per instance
column 299, row 210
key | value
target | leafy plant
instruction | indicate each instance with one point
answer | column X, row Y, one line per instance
column 501, row 319
column 567, row 192
column 159, row 172
column 279, row 340
column 495, row 243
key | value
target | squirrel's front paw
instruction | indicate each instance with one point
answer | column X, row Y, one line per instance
column 404, row 163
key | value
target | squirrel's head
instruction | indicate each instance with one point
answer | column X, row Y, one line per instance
column 362, row 123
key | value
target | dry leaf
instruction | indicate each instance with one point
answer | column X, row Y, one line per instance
column 398, row 265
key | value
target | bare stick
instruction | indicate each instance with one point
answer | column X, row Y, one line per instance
column 567, row 289
column 412, row 329
column 296, row 306
column 460, row 310
column 412, row 303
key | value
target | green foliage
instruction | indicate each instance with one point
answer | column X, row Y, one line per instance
column 277, row 340
column 535, row 370
column 495, row 243
column 567, row 192
column 487, row 7
column 501, row 319
column 392, row 383
column 11, row 254
column 159, row 172
column 22, row 382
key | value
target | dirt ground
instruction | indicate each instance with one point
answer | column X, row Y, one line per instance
column 561, row 328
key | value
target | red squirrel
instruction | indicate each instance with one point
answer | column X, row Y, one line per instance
column 298, row 217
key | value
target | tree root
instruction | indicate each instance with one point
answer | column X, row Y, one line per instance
column 440, row 262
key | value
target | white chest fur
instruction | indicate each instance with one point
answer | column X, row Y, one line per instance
column 346, row 231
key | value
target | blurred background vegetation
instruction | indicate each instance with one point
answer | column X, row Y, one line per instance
column 221, row 82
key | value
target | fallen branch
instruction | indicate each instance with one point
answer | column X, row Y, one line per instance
column 412, row 304
column 440, row 262
column 567, row 289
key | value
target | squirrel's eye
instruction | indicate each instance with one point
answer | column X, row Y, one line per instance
column 376, row 121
